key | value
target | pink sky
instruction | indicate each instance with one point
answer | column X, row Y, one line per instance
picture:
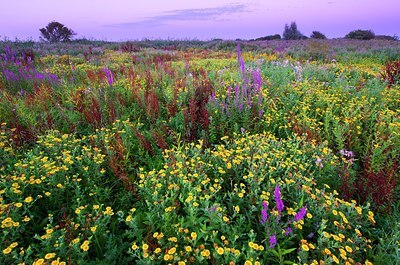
column 206, row 19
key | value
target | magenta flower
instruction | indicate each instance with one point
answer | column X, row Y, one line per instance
column 272, row 241
column 288, row 231
column 240, row 59
column 109, row 75
column 319, row 163
column 279, row 203
column 301, row 213
column 264, row 212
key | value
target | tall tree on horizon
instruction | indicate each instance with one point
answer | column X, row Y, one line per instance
column 56, row 32
column 292, row 33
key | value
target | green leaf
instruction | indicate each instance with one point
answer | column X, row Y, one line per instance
column 275, row 253
column 301, row 201
column 287, row 251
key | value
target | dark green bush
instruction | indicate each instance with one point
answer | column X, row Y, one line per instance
column 386, row 37
column 318, row 35
column 361, row 35
column 269, row 37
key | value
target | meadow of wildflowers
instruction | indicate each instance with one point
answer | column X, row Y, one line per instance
column 200, row 153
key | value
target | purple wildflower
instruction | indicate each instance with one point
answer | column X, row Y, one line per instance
column 22, row 92
column 288, row 231
column 346, row 153
column 213, row 96
column 300, row 214
column 279, row 203
column 264, row 212
column 39, row 76
column 212, row 209
column 272, row 241
column 260, row 113
column 318, row 162
column 240, row 59
column 228, row 92
column 52, row 76
column 257, row 80
column 109, row 75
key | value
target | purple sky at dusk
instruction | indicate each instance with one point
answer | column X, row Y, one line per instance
column 121, row 20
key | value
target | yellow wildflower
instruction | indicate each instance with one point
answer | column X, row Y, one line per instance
column 85, row 245
column 134, row 246
column 172, row 251
column 220, row 251
column 305, row 247
column 348, row 249
column 188, row 248
column 7, row 250
column 38, row 262
column 28, row 199
column 50, row 255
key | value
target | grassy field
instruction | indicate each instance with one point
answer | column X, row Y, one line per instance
column 189, row 152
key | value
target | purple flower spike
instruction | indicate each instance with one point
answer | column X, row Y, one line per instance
column 300, row 215
column 264, row 212
column 288, row 231
column 240, row 59
column 272, row 241
column 109, row 75
column 279, row 203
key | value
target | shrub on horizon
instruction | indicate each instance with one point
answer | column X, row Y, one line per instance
column 318, row 35
column 361, row 35
column 269, row 37
column 386, row 37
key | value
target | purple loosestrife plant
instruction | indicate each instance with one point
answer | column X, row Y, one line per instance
column 272, row 241
column 240, row 59
column 109, row 75
column 279, row 203
column 264, row 212
column 300, row 214
column 288, row 231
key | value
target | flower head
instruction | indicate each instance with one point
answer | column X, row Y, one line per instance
column 264, row 212
column 300, row 214
column 272, row 241
column 288, row 231
column 279, row 203
column 319, row 163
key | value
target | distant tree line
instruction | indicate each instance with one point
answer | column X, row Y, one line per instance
column 291, row 32
column 57, row 32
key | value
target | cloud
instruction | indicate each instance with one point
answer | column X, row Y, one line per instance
column 182, row 15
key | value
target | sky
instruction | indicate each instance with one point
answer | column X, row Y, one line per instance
column 122, row 20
